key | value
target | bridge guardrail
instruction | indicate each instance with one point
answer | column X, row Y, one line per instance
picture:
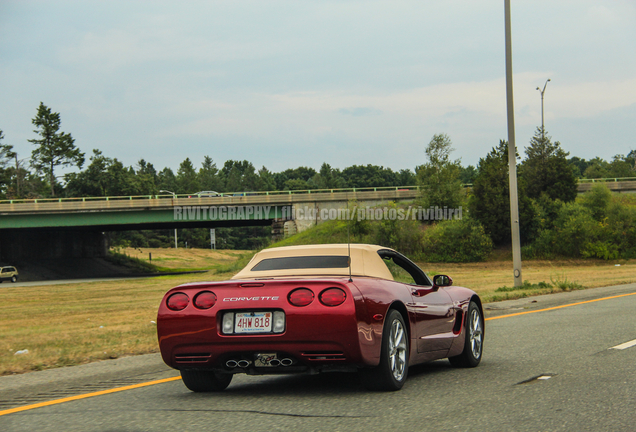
column 221, row 195
column 257, row 193
column 608, row 180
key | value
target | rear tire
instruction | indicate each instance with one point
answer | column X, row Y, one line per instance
column 393, row 369
column 205, row 380
column 474, row 342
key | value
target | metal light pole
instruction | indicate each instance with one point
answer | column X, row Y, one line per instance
column 512, row 154
column 542, row 92
column 174, row 196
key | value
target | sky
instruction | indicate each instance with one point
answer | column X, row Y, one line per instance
column 285, row 84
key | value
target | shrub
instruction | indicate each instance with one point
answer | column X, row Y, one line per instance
column 597, row 200
column 593, row 227
column 621, row 224
column 572, row 233
column 575, row 229
column 402, row 235
column 600, row 249
column 561, row 282
column 456, row 241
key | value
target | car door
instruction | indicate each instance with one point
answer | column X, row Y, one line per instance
column 432, row 308
column 434, row 318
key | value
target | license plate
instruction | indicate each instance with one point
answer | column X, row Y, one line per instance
column 252, row 322
column 264, row 360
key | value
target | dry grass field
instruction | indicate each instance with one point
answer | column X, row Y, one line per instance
column 486, row 277
column 62, row 325
column 184, row 259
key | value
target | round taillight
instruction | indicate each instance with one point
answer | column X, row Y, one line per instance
column 177, row 301
column 301, row 297
column 205, row 300
column 332, row 297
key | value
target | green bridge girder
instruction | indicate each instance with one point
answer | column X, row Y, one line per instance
column 148, row 219
column 155, row 212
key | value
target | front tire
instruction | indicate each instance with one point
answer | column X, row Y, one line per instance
column 205, row 380
column 393, row 369
column 14, row 279
column 474, row 342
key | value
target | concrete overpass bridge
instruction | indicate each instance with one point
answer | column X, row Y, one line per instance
column 74, row 227
column 69, row 227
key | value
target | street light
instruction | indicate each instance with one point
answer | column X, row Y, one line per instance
column 542, row 92
column 512, row 152
column 174, row 195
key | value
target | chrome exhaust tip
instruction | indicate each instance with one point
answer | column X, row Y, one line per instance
column 231, row 364
column 243, row 363
column 286, row 362
column 274, row 362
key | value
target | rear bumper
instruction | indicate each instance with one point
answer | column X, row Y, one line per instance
column 311, row 342
column 264, row 357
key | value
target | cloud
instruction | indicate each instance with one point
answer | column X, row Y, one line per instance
column 360, row 111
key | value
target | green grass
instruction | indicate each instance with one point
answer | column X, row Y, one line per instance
column 235, row 266
column 559, row 283
column 324, row 233
column 136, row 264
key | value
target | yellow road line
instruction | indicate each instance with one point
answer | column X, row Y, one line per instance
column 134, row 386
column 559, row 307
column 87, row 395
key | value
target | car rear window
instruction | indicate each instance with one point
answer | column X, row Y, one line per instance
column 303, row 262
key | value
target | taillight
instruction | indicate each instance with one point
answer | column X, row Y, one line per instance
column 301, row 297
column 177, row 301
column 205, row 300
column 332, row 297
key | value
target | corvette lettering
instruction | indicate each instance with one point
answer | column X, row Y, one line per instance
column 235, row 299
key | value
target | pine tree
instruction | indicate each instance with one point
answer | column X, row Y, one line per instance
column 546, row 169
column 54, row 148
column 187, row 181
column 490, row 199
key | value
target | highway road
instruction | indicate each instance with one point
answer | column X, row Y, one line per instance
column 98, row 279
column 564, row 362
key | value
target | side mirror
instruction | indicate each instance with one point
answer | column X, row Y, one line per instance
column 442, row 281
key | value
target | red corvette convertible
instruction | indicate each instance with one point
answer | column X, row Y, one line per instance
column 309, row 309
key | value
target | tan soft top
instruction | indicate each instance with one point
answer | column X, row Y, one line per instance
column 365, row 261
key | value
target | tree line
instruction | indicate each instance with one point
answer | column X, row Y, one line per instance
column 554, row 219
column 101, row 175
column 547, row 179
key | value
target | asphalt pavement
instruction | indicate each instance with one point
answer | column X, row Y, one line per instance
column 551, row 363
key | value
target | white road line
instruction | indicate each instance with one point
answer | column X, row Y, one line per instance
column 625, row 345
